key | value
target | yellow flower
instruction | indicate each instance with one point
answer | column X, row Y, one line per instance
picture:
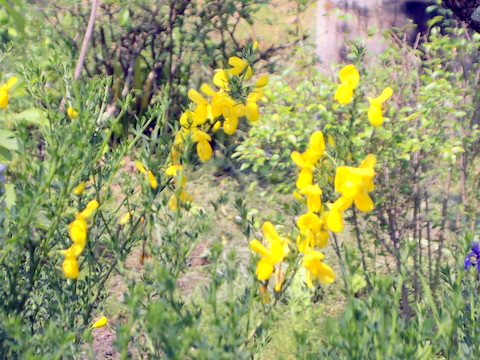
column 252, row 113
column 77, row 230
column 152, row 180
column 99, row 323
column 238, row 65
column 313, row 192
column 196, row 97
column 317, row 143
column 316, row 269
column 355, row 183
column 79, row 189
column 262, row 81
column 349, row 78
column 70, row 267
column 305, row 178
column 72, row 113
column 308, row 221
column 221, row 79
column 375, row 115
column 74, row 250
column 174, row 170
column 207, row 90
column 184, row 197
column 204, row 149
column 307, row 160
column 140, row 167
column 89, row 209
column 230, row 113
column 276, row 252
column 4, row 91
column 125, row 219
column 334, row 217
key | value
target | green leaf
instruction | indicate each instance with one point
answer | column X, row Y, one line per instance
column 8, row 140
column 33, row 115
column 124, row 19
column 5, row 154
column 10, row 196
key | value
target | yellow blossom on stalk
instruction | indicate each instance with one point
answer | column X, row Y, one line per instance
column 221, row 79
column 251, row 107
column 274, row 254
column 177, row 172
column 262, row 81
column 311, row 232
column 80, row 188
column 313, row 192
column 99, row 323
column 89, row 209
column 354, row 183
column 77, row 230
column 334, row 216
column 140, row 167
column 375, row 115
column 125, row 219
column 152, row 180
column 231, row 121
column 4, row 95
column 173, row 170
column 183, row 198
column 72, row 113
column 349, row 78
column 238, row 65
column 204, row 149
column 308, row 159
column 74, row 250
column 316, row 269
column 70, row 267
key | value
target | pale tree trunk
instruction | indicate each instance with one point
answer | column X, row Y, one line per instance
column 342, row 20
column 466, row 10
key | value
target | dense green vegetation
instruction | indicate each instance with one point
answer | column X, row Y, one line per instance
column 195, row 193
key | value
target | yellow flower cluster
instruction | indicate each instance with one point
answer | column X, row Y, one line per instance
column 215, row 109
column 353, row 183
column 349, row 78
column 231, row 101
column 312, row 224
column 77, row 230
column 271, row 256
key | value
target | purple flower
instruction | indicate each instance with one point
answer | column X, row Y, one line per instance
column 473, row 257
